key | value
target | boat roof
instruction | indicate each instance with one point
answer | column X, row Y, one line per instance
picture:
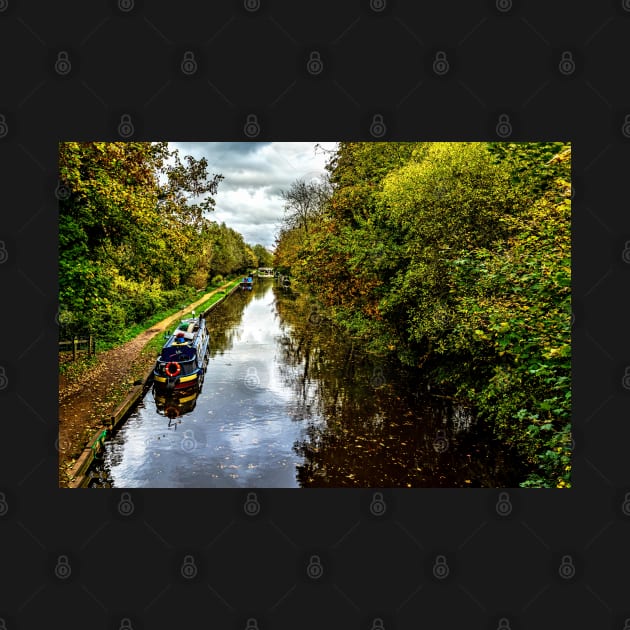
column 177, row 349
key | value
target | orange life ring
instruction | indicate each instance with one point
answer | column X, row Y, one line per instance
column 178, row 368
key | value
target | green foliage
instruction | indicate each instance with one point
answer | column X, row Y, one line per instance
column 131, row 240
column 456, row 257
column 264, row 258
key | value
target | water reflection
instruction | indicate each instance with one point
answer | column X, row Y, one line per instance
column 288, row 400
column 175, row 405
column 381, row 425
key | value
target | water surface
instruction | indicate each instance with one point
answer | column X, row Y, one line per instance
column 289, row 401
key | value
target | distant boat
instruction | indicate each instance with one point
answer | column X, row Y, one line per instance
column 183, row 359
column 247, row 283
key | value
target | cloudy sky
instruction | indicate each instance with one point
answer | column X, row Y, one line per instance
column 248, row 199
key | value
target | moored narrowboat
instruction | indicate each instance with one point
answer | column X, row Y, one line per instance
column 247, row 283
column 183, row 359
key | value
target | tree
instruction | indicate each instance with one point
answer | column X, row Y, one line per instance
column 305, row 200
column 455, row 257
column 130, row 238
column 264, row 258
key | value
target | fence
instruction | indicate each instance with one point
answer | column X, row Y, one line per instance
column 78, row 344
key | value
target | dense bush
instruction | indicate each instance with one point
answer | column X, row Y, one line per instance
column 456, row 257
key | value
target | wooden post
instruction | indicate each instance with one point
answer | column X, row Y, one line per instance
column 74, row 348
column 89, row 345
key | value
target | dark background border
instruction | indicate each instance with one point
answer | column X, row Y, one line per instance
column 553, row 71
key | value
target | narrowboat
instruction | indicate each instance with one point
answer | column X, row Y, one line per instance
column 247, row 284
column 183, row 360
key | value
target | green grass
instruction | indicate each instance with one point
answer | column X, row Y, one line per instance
column 215, row 298
column 154, row 346
column 133, row 331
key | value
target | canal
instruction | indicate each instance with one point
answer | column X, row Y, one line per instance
column 290, row 401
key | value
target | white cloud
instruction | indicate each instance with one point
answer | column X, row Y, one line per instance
column 248, row 199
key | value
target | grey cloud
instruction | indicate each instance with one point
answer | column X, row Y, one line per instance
column 255, row 173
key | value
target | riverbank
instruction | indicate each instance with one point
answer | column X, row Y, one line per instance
column 91, row 390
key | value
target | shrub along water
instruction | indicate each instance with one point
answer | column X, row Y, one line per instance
column 455, row 257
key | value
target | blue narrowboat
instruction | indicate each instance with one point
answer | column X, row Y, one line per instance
column 247, row 284
column 183, row 360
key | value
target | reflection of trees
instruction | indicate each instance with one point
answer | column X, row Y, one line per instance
column 223, row 320
column 371, row 423
column 260, row 287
